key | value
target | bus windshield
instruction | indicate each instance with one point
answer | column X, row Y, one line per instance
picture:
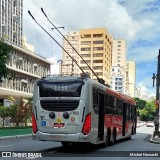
column 60, row 89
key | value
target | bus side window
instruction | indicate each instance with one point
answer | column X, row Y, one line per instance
column 108, row 109
column 119, row 107
column 95, row 100
column 108, row 101
column 105, row 103
column 128, row 112
column 134, row 112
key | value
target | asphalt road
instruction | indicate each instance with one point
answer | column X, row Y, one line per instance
column 139, row 142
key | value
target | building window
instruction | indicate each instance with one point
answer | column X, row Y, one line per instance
column 85, row 42
column 97, row 42
column 86, row 36
column 97, row 67
column 86, row 55
column 97, row 48
column 98, row 55
column 85, row 49
column 97, row 35
column 98, row 61
column 87, row 61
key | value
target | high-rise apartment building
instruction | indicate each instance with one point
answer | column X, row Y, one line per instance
column 67, row 66
column 117, row 79
column 119, row 53
column 118, row 71
column 130, row 78
column 11, row 23
column 95, row 46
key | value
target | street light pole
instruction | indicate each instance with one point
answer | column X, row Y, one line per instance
column 157, row 118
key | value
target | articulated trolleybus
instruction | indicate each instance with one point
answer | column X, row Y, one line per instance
column 71, row 109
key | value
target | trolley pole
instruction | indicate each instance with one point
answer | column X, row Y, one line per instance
column 157, row 118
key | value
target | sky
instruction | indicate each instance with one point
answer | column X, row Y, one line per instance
column 137, row 22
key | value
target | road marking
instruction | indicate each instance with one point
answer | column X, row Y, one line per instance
column 6, row 146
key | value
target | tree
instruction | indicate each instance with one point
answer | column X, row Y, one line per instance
column 148, row 113
column 4, row 113
column 13, row 113
column 5, row 49
column 140, row 103
column 27, row 110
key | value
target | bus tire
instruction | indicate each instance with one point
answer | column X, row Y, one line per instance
column 107, row 141
column 129, row 138
column 113, row 141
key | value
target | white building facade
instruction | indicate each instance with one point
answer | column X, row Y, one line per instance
column 118, row 70
column 117, row 79
column 26, row 68
column 131, row 78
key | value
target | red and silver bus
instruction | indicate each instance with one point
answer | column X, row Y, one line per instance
column 71, row 109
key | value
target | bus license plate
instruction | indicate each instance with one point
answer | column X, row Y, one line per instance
column 58, row 125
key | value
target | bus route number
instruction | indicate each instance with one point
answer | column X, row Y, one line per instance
column 60, row 88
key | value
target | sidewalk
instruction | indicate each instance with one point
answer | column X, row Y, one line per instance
column 155, row 140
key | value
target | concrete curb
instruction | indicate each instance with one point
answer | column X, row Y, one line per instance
column 154, row 140
column 14, row 137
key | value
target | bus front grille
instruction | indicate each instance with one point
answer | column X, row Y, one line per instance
column 52, row 105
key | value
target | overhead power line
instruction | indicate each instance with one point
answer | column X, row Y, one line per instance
column 55, row 41
column 99, row 79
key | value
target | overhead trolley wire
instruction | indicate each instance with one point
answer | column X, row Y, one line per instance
column 99, row 79
column 55, row 41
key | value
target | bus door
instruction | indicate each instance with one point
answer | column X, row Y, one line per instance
column 124, row 118
column 101, row 117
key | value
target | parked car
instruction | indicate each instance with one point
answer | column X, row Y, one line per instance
column 150, row 124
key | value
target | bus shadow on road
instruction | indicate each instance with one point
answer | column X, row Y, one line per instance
column 79, row 148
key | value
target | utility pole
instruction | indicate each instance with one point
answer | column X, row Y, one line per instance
column 157, row 118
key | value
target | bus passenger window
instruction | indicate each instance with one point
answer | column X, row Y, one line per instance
column 119, row 107
column 109, row 110
column 111, row 102
column 108, row 101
